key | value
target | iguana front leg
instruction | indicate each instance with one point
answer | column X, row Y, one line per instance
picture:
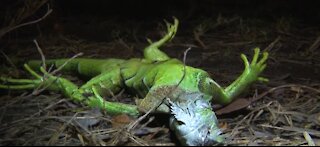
column 88, row 94
column 250, row 75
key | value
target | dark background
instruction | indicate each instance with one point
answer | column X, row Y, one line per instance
column 84, row 11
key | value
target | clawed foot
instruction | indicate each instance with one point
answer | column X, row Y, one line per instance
column 152, row 52
column 171, row 31
column 10, row 83
column 256, row 66
column 172, row 28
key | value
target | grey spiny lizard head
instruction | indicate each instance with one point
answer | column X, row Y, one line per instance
column 194, row 122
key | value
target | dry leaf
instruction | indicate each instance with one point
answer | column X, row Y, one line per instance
column 235, row 105
column 120, row 120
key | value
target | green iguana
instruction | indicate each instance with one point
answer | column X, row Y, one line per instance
column 165, row 84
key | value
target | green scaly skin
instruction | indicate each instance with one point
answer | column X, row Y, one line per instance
column 161, row 81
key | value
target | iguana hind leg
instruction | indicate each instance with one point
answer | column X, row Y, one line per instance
column 152, row 52
column 88, row 94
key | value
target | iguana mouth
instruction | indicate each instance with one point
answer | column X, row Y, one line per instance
column 195, row 122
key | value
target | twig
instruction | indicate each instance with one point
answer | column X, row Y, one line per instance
column 125, row 44
column 3, row 111
column 184, row 70
column 9, row 29
column 54, row 137
column 80, row 137
column 9, row 60
column 43, row 58
column 293, row 129
column 134, row 124
column 185, row 55
column 64, row 64
column 33, row 115
column 283, row 86
column 271, row 45
column 48, row 107
column 248, row 115
column 255, row 98
column 38, row 90
column 315, row 45
column 197, row 38
column 148, row 122
column 308, row 139
column 137, row 140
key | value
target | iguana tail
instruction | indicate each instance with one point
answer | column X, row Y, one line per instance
column 82, row 66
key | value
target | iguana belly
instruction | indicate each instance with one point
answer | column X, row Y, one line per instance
column 141, row 75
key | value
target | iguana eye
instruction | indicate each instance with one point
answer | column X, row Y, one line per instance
column 205, row 84
column 210, row 81
column 201, row 103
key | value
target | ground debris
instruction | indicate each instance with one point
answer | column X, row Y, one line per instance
column 279, row 119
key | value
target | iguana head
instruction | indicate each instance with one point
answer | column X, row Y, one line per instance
column 194, row 122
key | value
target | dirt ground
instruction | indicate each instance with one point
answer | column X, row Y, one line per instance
column 284, row 111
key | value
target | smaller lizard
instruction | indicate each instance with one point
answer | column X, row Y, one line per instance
column 165, row 84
